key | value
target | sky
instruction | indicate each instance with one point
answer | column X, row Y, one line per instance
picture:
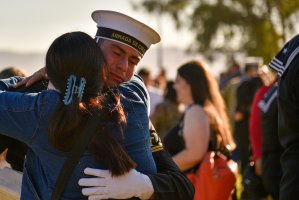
column 31, row 25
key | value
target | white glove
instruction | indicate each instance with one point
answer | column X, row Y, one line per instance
column 104, row 186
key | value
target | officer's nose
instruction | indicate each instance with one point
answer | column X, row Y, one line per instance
column 123, row 65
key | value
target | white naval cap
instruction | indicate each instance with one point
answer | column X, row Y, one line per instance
column 124, row 29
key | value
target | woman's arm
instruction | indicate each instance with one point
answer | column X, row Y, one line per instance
column 18, row 114
column 196, row 133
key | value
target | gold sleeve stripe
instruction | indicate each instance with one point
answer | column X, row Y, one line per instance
column 155, row 141
column 157, row 148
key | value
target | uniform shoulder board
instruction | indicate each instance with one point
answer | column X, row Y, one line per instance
column 155, row 140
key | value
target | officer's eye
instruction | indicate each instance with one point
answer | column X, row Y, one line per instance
column 117, row 53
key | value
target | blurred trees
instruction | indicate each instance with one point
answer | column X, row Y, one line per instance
column 254, row 27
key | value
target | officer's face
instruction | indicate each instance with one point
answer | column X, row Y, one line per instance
column 121, row 61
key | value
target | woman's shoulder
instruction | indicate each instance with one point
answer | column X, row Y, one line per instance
column 195, row 109
column 195, row 112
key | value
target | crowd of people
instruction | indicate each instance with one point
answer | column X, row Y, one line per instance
column 244, row 104
column 151, row 132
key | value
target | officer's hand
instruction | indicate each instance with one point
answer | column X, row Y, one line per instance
column 28, row 81
column 104, row 186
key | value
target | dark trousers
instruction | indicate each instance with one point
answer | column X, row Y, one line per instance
column 271, row 173
column 16, row 151
column 289, row 185
column 242, row 140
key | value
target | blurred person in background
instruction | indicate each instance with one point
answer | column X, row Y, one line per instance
column 228, row 86
column 167, row 113
column 12, row 71
column 272, row 150
column 255, row 127
column 232, row 72
column 16, row 150
column 161, row 79
column 229, row 96
column 246, row 89
column 255, row 130
column 204, row 124
column 155, row 94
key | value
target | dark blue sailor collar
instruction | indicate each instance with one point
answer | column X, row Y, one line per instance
column 285, row 56
column 265, row 103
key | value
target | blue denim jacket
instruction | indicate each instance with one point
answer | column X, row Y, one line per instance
column 26, row 116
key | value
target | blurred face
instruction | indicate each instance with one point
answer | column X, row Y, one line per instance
column 121, row 61
column 183, row 90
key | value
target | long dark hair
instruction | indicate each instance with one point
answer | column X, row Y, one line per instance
column 170, row 93
column 77, row 54
column 205, row 92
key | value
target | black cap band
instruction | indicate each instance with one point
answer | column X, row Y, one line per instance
column 122, row 37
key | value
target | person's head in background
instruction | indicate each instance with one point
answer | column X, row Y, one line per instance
column 251, row 69
column 145, row 74
column 252, row 65
column 161, row 79
column 12, row 71
column 235, row 67
column 74, row 65
column 123, row 41
column 170, row 93
column 195, row 84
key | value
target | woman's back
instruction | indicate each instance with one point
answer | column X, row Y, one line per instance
column 26, row 118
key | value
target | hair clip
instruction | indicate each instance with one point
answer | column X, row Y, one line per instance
column 81, row 88
column 72, row 89
column 71, row 82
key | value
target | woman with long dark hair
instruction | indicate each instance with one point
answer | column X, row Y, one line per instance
column 204, row 125
column 50, row 122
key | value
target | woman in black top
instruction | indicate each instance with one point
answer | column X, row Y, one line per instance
column 204, row 121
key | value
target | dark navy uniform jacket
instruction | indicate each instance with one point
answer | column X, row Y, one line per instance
column 286, row 63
